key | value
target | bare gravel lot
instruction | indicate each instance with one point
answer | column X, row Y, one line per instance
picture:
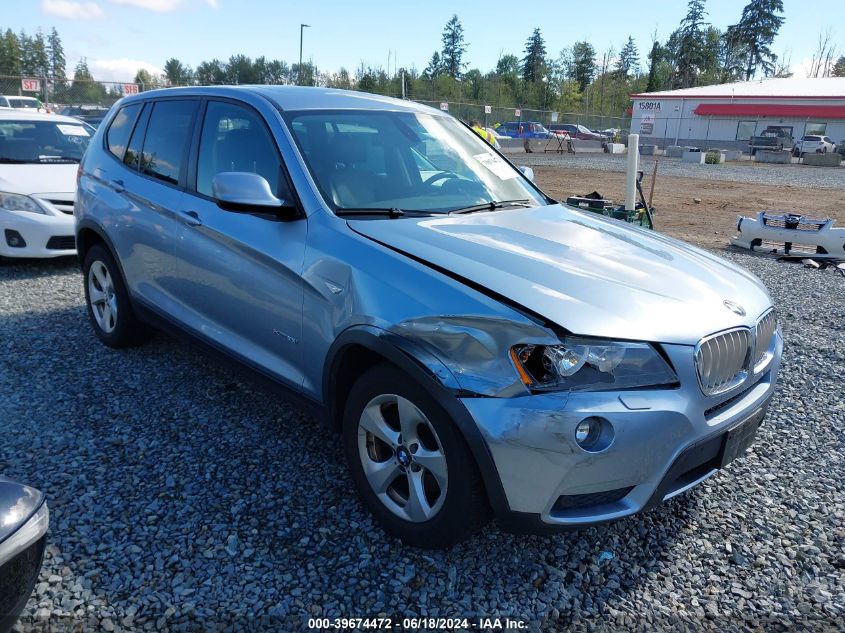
column 724, row 190
column 185, row 498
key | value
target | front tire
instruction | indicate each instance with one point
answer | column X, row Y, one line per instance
column 409, row 462
column 109, row 307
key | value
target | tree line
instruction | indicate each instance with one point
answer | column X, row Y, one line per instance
column 578, row 78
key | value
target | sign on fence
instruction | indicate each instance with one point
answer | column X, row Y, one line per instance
column 517, row 113
column 130, row 89
column 30, row 84
column 488, row 109
column 647, row 125
column 444, row 106
column 554, row 117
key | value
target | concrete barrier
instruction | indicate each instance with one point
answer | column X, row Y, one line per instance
column 696, row 158
column 647, row 150
column 616, row 148
column 823, row 160
column 768, row 156
column 674, row 151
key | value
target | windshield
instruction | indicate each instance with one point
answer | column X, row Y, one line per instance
column 403, row 160
column 23, row 102
column 43, row 141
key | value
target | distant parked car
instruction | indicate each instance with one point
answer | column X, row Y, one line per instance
column 92, row 114
column 24, row 519
column 576, row 131
column 841, row 147
column 524, row 129
column 814, row 143
column 39, row 155
column 30, row 104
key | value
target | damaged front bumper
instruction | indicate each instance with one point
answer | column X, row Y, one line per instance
column 665, row 441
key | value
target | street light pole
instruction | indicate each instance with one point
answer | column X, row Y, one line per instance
column 299, row 72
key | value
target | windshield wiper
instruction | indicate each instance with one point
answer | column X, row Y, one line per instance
column 15, row 161
column 391, row 212
column 493, row 205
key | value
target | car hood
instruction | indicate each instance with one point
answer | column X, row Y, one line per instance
column 38, row 178
column 591, row 275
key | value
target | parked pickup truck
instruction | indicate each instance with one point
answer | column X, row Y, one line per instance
column 774, row 138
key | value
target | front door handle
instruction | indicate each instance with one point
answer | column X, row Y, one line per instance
column 191, row 218
column 118, row 186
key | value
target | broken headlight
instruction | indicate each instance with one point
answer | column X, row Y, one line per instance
column 591, row 364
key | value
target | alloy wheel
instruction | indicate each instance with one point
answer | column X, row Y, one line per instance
column 402, row 458
column 101, row 294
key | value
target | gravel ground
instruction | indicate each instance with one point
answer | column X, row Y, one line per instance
column 182, row 497
column 759, row 173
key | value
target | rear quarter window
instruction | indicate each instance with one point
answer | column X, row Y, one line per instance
column 120, row 128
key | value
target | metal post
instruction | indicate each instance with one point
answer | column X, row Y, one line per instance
column 631, row 173
column 299, row 71
column 403, row 82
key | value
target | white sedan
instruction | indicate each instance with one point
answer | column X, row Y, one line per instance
column 39, row 155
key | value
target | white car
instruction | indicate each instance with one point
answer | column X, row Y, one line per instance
column 39, row 156
column 27, row 104
column 813, row 143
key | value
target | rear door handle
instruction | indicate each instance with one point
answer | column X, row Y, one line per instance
column 191, row 218
column 118, row 186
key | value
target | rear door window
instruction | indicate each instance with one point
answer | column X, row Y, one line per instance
column 120, row 129
column 166, row 140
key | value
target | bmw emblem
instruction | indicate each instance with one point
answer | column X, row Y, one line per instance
column 403, row 456
column 734, row 307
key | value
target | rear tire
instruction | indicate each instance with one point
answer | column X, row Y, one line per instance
column 109, row 306
column 409, row 462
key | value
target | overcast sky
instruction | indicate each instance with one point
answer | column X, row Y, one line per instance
column 120, row 36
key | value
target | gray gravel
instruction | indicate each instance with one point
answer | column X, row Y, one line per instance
column 744, row 171
column 181, row 496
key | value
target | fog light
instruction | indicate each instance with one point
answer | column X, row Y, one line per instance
column 587, row 432
column 14, row 239
column 594, row 434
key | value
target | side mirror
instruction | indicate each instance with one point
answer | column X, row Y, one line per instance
column 244, row 191
column 527, row 172
column 23, row 536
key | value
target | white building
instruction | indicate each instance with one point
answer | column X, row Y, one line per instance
column 727, row 115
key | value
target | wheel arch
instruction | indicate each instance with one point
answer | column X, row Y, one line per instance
column 88, row 234
column 359, row 348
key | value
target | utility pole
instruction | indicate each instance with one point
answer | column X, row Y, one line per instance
column 299, row 72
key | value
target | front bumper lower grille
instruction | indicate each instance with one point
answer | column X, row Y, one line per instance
column 61, row 243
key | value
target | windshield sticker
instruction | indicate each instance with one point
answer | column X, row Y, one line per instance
column 496, row 165
column 72, row 130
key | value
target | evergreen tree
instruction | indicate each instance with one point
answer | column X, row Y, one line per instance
column 755, row 32
column 690, row 45
column 839, row 67
column 453, row 48
column 56, row 54
column 26, row 60
column 583, row 64
column 10, row 54
column 176, row 73
column 534, row 62
column 629, row 59
column 654, row 59
column 210, row 73
column 39, row 57
column 434, row 68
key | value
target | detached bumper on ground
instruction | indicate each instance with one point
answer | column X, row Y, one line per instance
column 660, row 443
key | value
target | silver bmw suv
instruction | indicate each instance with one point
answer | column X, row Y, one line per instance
column 481, row 350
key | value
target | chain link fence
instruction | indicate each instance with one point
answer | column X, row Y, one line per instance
column 69, row 95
